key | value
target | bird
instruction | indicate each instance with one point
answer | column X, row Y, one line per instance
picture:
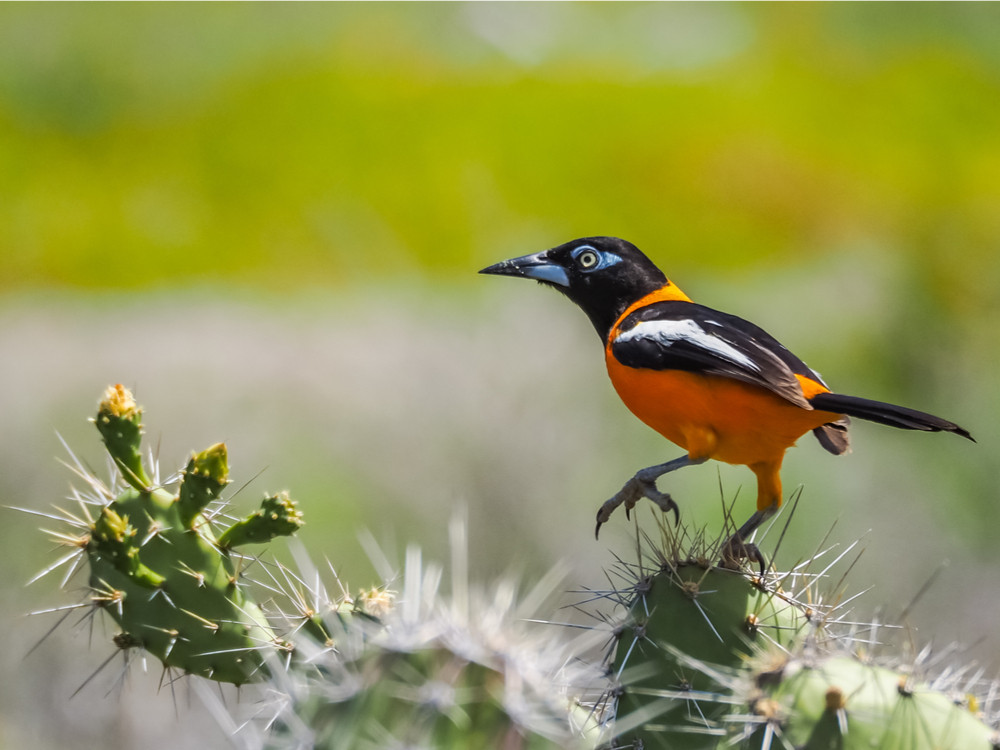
column 714, row 384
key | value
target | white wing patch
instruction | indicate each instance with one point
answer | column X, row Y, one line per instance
column 669, row 332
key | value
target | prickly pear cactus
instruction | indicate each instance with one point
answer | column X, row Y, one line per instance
column 689, row 622
column 709, row 658
column 434, row 672
column 829, row 701
column 157, row 566
column 704, row 658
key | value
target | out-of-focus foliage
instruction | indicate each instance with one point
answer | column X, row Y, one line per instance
column 279, row 145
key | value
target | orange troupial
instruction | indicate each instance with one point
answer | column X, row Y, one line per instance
column 714, row 384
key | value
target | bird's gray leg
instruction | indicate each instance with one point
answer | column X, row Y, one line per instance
column 643, row 484
column 737, row 547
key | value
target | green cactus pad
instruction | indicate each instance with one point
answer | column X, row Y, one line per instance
column 427, row 672
column 711, row 659
column 157, row 568
column 427, row 698
column 689, row 627
column 172, row 591
column 841, row 702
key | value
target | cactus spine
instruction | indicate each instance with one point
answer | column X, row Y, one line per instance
column 439, row 672
column 823, row 701
column 157, row 567
column 707, row 658
column 702, row 658
column 689, row 621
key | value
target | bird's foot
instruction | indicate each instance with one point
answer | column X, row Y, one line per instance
column 643, row 484
column 737, row 549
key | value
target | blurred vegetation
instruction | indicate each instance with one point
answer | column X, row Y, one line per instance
column 273, row 145
column 267, row 219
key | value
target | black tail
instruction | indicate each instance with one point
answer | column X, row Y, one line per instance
column 890, row 414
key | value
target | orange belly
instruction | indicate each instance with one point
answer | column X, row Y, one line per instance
column 715, row 417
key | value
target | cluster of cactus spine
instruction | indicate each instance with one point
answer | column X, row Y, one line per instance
column 709, row 658
column 840, row 700
column 338, row 671
column 159, row 569
column 697, row 656
column 687, row 621
column 437, row 671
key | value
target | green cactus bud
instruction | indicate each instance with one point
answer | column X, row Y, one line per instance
column 112, row 537
column 118, row 422
column 205, row 476
column 277, row 516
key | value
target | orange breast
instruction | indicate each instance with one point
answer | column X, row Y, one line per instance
column 715, row 417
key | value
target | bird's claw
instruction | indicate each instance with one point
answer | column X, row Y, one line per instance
column 634, row 490
column 736, row 549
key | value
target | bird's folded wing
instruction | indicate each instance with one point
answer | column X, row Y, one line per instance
column 686, row 336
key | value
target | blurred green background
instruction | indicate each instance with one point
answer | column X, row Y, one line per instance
column 266, row 219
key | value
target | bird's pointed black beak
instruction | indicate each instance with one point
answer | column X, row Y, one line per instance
column 537, row 266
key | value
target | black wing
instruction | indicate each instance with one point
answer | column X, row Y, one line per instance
column 681, row 335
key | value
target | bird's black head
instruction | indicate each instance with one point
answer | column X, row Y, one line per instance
column 603, row 275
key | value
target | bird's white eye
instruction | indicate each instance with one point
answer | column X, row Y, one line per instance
column 587, row 259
